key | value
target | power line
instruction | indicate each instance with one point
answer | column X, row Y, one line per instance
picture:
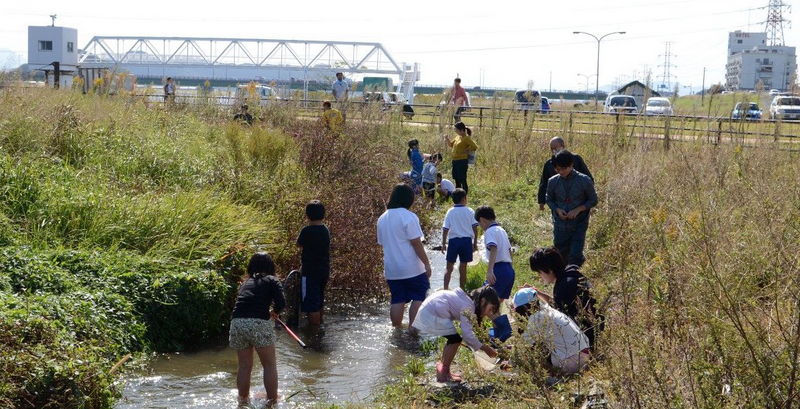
column 518, row 47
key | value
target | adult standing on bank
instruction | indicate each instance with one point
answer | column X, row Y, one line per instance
column 557, row 145
column 570, row 196
column 406, row 266
column 340, row 93
column 462, row 145
column 460, row 99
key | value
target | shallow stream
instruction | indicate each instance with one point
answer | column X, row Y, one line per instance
column 348, row 358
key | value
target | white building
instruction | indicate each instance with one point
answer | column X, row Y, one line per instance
column 49, row 44
column 750, row 60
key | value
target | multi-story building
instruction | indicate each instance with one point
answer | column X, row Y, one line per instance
column 751, row 61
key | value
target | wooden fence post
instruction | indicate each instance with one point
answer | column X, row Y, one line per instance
column 777, row 129
column 719, row 131
column 571, row 134
column 666, row 132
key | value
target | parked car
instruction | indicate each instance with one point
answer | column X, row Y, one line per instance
column 620, row 104
column 774, row 92
column 784, row 107
column 749, row 110
column 658, row 106
column 525, row 100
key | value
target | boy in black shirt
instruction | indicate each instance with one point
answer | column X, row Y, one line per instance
column 572, row 292
column 315, row 239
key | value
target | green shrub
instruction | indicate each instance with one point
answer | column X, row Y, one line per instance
column 476, row 275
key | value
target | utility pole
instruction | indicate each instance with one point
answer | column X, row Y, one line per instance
column 703, row 91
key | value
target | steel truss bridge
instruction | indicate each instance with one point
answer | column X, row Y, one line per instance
column 221, row 58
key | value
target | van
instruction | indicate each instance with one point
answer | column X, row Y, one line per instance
column 620, row 104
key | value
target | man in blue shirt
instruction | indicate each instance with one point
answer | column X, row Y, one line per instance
column 570, row 195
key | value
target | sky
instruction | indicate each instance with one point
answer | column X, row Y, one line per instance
column 495, row 44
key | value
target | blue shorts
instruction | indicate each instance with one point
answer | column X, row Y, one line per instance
column 409, row 289
column 313, row 293
column 460, row 248
column 504, row 279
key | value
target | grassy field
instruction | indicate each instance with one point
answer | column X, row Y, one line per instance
column 124, row 228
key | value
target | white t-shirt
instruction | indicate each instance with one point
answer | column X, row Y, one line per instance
column 556, row 331
column 459, row 220
column 396, row 229
column 496, row 236
column 448, row 185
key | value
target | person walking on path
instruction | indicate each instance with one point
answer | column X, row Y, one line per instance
column 405, row 263
column 169, row 90
column 340, row 93
column 570, row 195
column 252, row 326
column 462, row 144
column 460, row 99
column 557, row 145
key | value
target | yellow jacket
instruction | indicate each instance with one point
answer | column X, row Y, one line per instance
column 461, row 145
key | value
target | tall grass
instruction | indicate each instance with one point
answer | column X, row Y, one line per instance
column 107, row 201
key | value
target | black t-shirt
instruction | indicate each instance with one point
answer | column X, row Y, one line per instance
column 571, row 293
column 255, row 297
column 316, row 243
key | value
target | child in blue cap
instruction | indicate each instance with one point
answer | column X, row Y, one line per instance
column 558, row 333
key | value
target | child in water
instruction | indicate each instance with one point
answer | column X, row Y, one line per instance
column 252, row 326
column 436, row 316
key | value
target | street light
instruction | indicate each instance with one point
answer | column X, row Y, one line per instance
column 587, row 82
column 597, row 84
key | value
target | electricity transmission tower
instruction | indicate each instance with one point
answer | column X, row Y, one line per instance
column 665, row 84
column 775, row 20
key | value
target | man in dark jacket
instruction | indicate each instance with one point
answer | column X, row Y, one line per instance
column 557, row 145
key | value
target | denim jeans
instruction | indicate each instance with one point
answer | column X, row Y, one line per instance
column 570, row 244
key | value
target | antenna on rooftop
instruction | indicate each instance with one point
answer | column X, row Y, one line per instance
column 775, row 20
column 53, row 16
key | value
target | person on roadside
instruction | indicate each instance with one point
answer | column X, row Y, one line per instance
column 462, row 145
column 442, row 308
column 315, row 240
column 405, row 263
column 169, row 90
column 243, row 116
column 572, row 291
column 460, row 99
column 570, row 195
column 331, row 117
column 252, row 326
column 561, row 338
column 557, row 145
column 341, row 91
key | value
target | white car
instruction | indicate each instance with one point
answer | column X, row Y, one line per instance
column 620, row 104
column 785, row 107
column 658, row 106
